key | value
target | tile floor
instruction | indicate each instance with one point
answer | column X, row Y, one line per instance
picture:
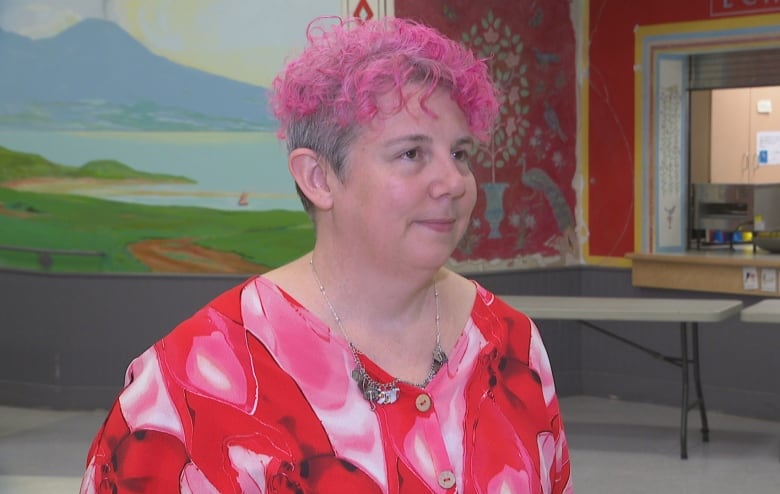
column 616, row 447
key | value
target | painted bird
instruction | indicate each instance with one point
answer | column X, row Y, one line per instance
column 551, row 117
column 545, row 59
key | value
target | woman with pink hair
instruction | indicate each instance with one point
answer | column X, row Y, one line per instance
column 367, row 365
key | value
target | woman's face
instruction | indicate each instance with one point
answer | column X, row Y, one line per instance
column 408, row 191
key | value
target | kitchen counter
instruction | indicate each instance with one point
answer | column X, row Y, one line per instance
column 740, row 271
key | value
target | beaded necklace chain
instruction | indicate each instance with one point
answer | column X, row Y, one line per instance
column 374, row 392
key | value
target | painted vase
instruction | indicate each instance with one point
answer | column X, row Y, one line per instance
column 494, row 206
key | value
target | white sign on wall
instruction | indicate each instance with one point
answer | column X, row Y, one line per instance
column 367, row 9
column 768, row 148
column 750, row 278
column 768, row 280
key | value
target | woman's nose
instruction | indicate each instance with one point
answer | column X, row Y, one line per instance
column 450, row 177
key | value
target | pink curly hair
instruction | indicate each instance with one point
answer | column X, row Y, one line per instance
column 322, row 97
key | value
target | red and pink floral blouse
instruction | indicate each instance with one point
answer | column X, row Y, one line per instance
column 253, row 394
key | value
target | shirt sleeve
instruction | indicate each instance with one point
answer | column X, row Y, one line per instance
column 141, row 446
column 121, row 460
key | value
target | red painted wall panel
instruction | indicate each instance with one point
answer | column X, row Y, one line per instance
column 611, row 115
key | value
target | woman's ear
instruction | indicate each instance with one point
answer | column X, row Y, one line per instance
column 311, row 175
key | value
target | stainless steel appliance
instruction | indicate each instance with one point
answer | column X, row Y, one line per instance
column 727, row 214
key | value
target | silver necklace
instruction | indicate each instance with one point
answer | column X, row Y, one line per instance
column 373, row 391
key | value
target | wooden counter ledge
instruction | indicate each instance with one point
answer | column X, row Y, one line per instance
column 719, row 271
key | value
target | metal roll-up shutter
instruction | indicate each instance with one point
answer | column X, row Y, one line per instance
column 743, row 68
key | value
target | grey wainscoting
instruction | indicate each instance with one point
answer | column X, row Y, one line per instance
column 66, row 340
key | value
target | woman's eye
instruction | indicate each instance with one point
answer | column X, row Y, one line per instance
column 461, row 155
column 411, row 154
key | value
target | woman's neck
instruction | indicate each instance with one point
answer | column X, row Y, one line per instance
column 368, row 292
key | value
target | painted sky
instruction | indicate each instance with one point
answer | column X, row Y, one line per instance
column 245, row 40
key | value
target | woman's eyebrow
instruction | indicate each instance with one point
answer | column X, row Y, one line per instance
column 465, row 141
column 420, row 138
column 411, row 138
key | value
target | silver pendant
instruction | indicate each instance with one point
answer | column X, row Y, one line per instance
column 372, row 391
column 439, row 357
column 388, row 396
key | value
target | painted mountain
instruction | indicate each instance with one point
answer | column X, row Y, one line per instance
column 95, row 76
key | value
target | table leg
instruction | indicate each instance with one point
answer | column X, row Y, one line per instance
column 705, row 430
column 684, row 404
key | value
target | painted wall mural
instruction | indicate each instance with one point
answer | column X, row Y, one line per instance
column 134, row 135
column 527, row 209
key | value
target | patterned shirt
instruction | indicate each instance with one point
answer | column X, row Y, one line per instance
column 253, row 394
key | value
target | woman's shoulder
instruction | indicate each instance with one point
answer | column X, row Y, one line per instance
column 495, row 303
column 223, row 313
column 501, row 323
column 208, row 353
column 477, row 301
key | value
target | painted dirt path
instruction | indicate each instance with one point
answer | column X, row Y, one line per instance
column 181, row 255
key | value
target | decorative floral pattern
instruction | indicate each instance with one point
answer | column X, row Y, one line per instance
column 531, row 219
column 494, row 41
column 253, row 394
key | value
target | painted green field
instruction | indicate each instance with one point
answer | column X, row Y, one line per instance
column 140, row 238
column 56, row 228
column 16, row 165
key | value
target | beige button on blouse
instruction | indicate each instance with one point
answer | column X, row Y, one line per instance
column 447, row 479
column 423, row 402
